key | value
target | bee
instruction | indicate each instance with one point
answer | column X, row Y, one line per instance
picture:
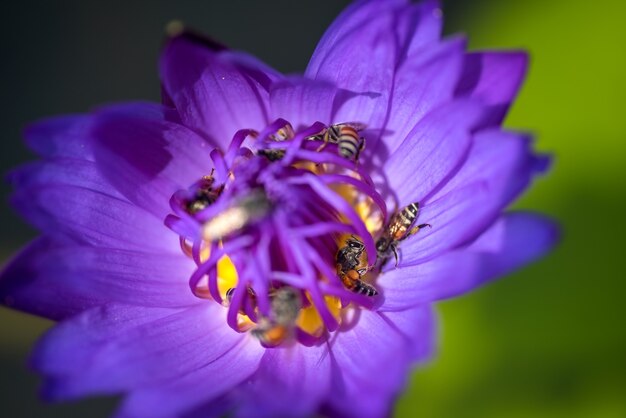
column 246, row 211
column 285, row 133
column 346, row 136
column 351, row 279
column 204, row 195
column 272, row 154
column 231, row 292
column 351, row 267
column 398, row 229
column 285, row 307
column 349, row 257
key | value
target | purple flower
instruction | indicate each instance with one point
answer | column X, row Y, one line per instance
column 265, row 245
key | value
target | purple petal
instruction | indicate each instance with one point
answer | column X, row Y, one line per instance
column 254, row 68
column 146, row 157
column 432, row 151
column 443, row 277
column 423, row 24
column 213, row 92
column 372, row 360
column 198, row 387
column 456, row 218
column 303, row 102
column 300, row 373
column 121, row 348
column 414, row 27
column 88, row 216
column 23, row 287
column 503, row 159
column 345, row 30
column 422, row 85
column 363, row 47
column 66, row 348
column 219, row 407
column 513, row 241
column 139, row 110
column 495, row 78
column 357, row 54
column 61, row 136
column 61, row 171
column 517, row 239
column 113, row 275
column 500, row 165
column 417, row 325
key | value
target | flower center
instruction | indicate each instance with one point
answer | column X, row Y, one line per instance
column 282, row 231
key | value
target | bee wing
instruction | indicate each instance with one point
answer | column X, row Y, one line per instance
column 358, row 126
column 394, row 228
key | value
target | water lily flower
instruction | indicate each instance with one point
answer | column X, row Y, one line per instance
column 265, row 245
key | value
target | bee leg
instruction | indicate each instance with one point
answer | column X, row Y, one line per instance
column 395, row 254
column 321, row 147
column 350, row 279
column 416, row 229
column 338, row 267
column 355, row 160
column 347, row 281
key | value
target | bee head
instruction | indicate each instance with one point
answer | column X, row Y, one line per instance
column 355, row 243
column 382, row 244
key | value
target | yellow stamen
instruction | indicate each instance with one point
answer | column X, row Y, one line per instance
column 227, row 277
column 310, row 320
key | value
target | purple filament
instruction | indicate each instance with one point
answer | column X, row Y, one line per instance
column 294, row 241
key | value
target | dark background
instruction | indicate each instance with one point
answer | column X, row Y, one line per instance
column 549, row 341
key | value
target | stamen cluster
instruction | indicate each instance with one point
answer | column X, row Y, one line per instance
column 278, row 230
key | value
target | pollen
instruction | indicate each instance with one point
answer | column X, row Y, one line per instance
column 310, row 320
column 226, row 275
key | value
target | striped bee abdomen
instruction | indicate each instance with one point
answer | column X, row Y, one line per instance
column 349, row 142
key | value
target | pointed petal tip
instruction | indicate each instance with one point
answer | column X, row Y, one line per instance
column 177, row 31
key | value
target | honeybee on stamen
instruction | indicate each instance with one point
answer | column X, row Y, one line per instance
column 346, row 136
column 398, row 229
column 285, row 133
column 351, row 266
column 285, row 307
column 246, row 211
column 350, row 256
column 231, row 292
column 205, row 194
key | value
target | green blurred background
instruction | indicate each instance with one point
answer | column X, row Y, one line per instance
column 548, row 341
